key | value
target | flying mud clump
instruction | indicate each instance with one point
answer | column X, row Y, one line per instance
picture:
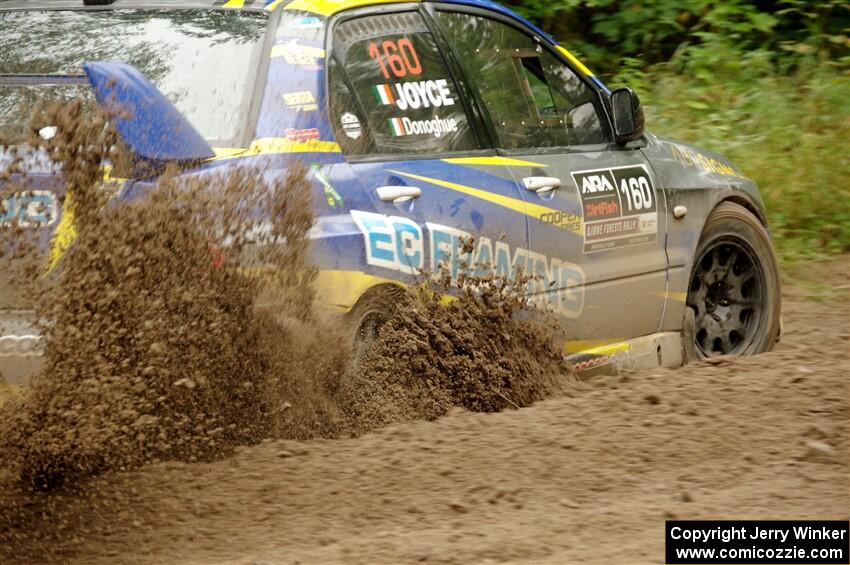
column 486, row 349
column 182, row 322
column 152, row 350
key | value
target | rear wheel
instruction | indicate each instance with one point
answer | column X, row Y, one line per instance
column 373, row 309
column 734, row 289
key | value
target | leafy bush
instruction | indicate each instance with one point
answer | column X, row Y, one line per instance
column 787, row 132
column 765, row 83
column 605, row 31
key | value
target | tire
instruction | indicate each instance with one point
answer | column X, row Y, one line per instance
column 734, row 288
column 365, row 319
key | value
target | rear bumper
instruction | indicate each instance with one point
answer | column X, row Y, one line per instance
column 21, row 349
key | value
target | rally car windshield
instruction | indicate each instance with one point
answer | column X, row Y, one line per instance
column 204, row 61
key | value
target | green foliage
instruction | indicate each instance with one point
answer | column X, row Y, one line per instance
column 765, row 83
column 605, row 31
column 787, row 132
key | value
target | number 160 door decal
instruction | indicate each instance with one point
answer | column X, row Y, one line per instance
column 619, row 207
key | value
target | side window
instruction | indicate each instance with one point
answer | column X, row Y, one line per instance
column 402, row 85
column 533, row 98
column 348, row 121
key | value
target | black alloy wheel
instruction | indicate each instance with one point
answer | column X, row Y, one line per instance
column 734, row 288
column 727, row 297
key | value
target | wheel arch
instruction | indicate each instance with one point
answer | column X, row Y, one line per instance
column 745, row 201
column 684, row 237
column 377, row 293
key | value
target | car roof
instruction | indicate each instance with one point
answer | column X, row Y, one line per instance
column 322, row 7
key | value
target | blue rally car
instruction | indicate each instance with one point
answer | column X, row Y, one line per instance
column 421, row 123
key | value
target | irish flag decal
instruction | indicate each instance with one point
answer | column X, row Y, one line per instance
column 396, row 126
column 384, row 94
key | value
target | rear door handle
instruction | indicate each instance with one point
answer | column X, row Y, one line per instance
column 398, row 194
column 541, row 184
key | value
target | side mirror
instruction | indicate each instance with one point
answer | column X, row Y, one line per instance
column 147, row 121
column 628, row 115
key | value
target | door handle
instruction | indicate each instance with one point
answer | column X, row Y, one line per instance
column 541, row 184
column 398, row 194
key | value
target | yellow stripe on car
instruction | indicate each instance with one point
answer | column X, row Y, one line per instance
column 342, row 289
column 583, row 346
column 66, row 231
column 492, row 161
column 228, row 152
column 276, row 145
column 515, row 204
column 107, row 175
column 64, row 235
column 574, row 60
column 677, row 296
column 610, row 349
column 330, row 7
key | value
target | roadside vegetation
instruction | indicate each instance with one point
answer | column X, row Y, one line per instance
column 765, row 83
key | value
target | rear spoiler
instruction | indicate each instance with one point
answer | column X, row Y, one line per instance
column 152, row 128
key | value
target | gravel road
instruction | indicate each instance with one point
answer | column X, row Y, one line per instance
column 588, row 478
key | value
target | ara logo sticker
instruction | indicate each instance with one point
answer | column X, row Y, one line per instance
column 618, row 206
column 414, row 95
column 400, row 244
column 596, row 183
column 351, row 125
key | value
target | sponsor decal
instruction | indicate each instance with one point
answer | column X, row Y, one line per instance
column 302, row 135
column 29, row 209
column 618, row 206
column 414, row 95
column 435, row 126
column 331, row 195
column 384, row 94
column 582, row 362
column 304, row 56
column 21, row 346
column 562, row 220
column 396, row 58
column 396, row 126
column 690, row 158
column 303, row 101
column 351, row 125
column 400, row 244
column 307, row 22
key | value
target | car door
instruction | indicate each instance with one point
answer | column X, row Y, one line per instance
column 590, row 202
column 411, row 140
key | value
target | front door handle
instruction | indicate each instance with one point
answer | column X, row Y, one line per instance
column 398, row 194
column 541, row 184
